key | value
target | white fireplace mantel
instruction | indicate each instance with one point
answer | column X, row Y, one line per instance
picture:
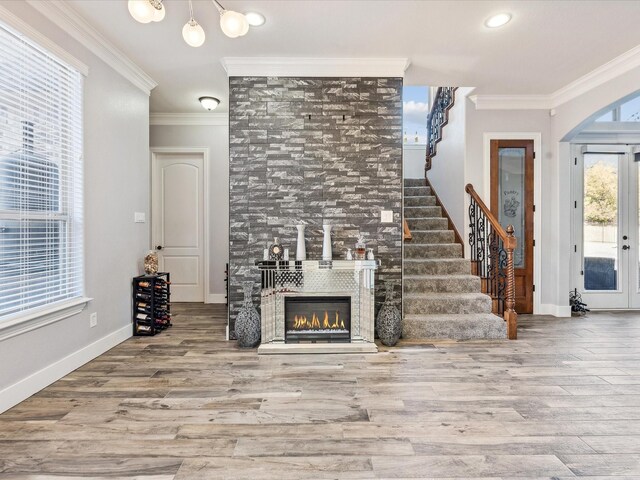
column 352, row 278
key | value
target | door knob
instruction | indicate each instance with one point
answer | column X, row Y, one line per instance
column 159, row 247
column 626, row 247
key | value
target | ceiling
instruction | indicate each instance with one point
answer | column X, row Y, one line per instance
column 547, row 45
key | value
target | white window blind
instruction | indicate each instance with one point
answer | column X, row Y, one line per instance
column 41, row 257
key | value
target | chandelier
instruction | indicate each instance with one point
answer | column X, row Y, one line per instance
column 233, row 24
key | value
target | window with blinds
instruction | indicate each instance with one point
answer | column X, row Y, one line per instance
column 41, row 258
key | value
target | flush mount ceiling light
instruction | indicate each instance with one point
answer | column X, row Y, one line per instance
column 498, row 20
column 233, row 24
column 209, row 103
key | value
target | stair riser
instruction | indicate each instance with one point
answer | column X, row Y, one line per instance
column 425, row 201
column 434, row 306
column 427, row 223
column 470, row 284
column 414, row 182
column 436, row 236
column 444, row 328
column 450, row 250
column 422, row 212
column 416, row 191
column 438, row 267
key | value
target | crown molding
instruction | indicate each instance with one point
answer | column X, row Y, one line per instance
column 314, row 67
column 604, row 73
column 211, row 119
column 24, row 29
column 512, row 102
column 60, row 13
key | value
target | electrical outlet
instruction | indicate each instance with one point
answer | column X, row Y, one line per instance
column 386, row 216
column 139, row 217
column 93, row 319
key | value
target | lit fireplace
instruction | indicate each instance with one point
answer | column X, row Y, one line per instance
column 313, row 319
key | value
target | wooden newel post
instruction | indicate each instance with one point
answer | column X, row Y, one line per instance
column 510, row 315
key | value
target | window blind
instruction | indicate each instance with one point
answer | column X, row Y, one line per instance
column 41, row 241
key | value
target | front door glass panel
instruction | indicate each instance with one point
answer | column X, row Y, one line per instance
column 600, row 222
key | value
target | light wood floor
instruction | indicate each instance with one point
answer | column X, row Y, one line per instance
column 561, row 402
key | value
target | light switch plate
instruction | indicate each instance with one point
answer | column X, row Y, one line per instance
column 93, row 319
column 139, row 217
column 386, row 216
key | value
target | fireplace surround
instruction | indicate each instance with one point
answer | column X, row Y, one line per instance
column 315, row 306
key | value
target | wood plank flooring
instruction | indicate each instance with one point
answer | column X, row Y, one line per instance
column 561, row 402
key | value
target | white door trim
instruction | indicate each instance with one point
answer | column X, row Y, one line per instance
column 207, row 236
column 537, row 196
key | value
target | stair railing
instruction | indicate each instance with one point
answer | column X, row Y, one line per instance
column 492, row 249
column 436, row 120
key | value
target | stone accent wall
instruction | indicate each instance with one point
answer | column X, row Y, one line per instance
column 314, row 151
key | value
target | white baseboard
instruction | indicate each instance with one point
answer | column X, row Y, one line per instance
column 555, row 310
column 215, row 298
column 16, row 393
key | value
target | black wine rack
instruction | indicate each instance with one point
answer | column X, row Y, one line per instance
column 151, row 304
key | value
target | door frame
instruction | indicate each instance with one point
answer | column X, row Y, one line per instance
column 204, row 151
column 537, row 199
column 578, row 149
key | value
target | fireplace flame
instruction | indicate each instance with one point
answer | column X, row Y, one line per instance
column 301, row 322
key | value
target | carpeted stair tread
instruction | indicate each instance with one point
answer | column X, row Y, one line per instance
column 436, row 266
column 423, row 212
column 432, row 223
column 441, row 283
column 433, row 250
column 414, row 182
column 457, row 327
column 416, row 191
column 446, row 303
column 432, row 236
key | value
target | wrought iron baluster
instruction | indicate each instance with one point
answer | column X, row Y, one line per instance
column 492, row 250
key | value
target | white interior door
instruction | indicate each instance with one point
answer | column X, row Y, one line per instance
column 177, row 221
column 606, row 226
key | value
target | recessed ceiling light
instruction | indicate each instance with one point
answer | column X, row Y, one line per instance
column 497, row 20
column 255, row 19
column 210, row 103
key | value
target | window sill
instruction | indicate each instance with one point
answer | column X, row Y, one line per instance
column 26, row 322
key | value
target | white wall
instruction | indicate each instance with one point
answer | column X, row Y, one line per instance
column 116, row 172
column 216, row 139
column 413, row 158
column 447, row 174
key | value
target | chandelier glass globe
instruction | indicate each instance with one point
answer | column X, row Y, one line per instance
column 233, row 24
column 141, row 10
column 159, row 13
column 193, row 33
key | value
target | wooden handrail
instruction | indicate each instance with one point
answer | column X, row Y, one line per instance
column 406, row 235
column 509, row 242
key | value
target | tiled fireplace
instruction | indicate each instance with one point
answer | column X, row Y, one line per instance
column 314, row 151
column 318, row 306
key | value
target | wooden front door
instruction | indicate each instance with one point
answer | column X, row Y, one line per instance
column 512, row 204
